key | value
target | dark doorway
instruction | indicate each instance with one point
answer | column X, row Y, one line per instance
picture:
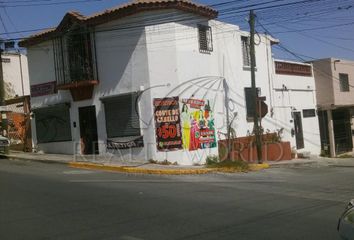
column 299, row 134
column 88, row 130
column 342, row 131
column 323, row 123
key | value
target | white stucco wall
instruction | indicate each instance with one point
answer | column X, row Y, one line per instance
column 300, row 94
column 13, row 65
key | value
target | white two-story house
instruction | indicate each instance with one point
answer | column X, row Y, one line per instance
column 151, row 80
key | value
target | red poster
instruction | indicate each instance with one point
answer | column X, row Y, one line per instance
column 167, row 124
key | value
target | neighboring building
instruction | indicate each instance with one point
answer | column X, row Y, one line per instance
column 335, row 98
column 15, row 72
column 17, row 90
column 103, row 79
column 294, row 103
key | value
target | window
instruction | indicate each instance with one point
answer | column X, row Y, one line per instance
column 250, row 102
column 344, row 82
column 246, row 53
column 309, row 113
column 73, row 56
column 53, row 124
column 122, row 118
column 205, row 39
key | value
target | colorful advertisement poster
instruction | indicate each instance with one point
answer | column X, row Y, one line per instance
column 197, row 121
column 167, row 124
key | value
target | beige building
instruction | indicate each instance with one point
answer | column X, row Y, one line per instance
column 335, row 98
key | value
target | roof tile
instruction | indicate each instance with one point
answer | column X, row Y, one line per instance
column 122, row 11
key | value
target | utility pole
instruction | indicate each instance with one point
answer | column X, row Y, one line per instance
column 2, row 96
column 256, row 127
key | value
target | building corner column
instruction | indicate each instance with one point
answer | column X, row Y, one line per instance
column 332, row 145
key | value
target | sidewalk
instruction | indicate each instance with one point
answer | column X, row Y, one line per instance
column 111, row 163
column 315, row 161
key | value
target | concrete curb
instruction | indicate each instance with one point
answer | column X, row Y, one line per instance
column 30, row 159
column 130, row 169
column 258, row 167
column 294, row 164
column 122, row 169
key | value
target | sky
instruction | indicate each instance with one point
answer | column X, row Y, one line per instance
column 309, row 30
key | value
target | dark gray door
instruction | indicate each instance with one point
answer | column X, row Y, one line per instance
column 299, row 134
column 88, row 130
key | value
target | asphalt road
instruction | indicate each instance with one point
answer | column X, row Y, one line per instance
column 51, row 201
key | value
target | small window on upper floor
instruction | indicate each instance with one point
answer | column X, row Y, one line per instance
column 246, row 51
column 344, row 82
column 246, row 54
column 205, row 39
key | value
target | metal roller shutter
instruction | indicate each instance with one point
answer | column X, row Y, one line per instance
column 122, row 119
column 53, row 124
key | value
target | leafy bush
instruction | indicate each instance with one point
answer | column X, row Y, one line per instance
column 212, row 159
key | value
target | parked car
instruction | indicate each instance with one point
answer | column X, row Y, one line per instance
column 4, row 144
column 346, row 222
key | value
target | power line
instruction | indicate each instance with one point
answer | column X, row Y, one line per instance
column 3, row 24
column 238, row 11
column 302, row 59
column 158, row 18
column 320, row 40
column 48, row 3
column 315, row 28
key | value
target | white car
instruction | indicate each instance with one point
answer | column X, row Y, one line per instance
column 4, row 144
column 346, row 222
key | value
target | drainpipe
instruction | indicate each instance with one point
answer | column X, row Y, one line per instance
column 334, row 64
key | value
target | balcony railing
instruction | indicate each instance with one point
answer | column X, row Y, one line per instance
column 74, row 64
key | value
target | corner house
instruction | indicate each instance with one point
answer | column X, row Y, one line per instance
column 145, row 80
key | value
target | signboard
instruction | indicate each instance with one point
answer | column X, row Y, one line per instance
column 167, row 124
column 262, row 107
column 4, row 109
column 43, row 89
column 135, row 143
column 197, row 121
column 293, row 69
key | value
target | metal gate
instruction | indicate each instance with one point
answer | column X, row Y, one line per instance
column 19, row 124
column 342, row 130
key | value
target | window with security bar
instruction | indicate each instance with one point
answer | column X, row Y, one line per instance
column 73, row 55
column 246, row 51
column 344, row 82
column 205, row 39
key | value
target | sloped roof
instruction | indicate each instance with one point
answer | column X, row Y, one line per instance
column 118, row 12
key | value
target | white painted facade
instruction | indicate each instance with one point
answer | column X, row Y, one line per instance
column 164, row 60
column 15, row 72
column 295, row 94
